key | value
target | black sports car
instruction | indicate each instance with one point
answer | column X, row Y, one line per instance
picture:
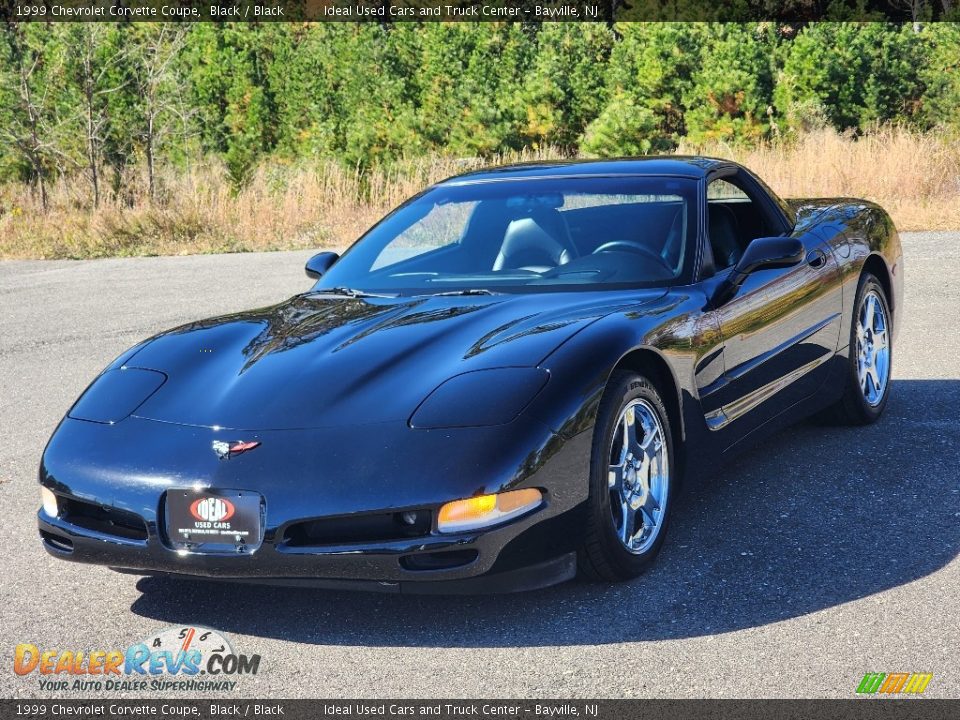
column 501, row 382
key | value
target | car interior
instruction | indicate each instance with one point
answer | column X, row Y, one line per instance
column 733, row 220
column 537, row 240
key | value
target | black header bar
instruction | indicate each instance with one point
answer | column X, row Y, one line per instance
column 392, row 11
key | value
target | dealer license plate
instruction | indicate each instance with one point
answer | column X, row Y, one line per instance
column 214, row 520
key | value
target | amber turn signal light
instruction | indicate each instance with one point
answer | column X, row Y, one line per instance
column 485, row 510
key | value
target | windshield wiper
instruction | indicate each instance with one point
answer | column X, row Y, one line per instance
column 352, row 293
column 469, row 291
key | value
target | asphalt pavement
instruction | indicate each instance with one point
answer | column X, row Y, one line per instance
column 824, row 554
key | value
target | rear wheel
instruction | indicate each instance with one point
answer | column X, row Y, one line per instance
column 631, row 481
column 867, row 379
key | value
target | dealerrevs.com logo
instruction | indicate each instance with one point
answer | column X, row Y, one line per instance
column 189, row 659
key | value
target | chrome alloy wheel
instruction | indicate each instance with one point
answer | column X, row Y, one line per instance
column 873, row 349
column 639, row 476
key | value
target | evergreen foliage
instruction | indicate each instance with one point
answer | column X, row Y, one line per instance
column 97, row 99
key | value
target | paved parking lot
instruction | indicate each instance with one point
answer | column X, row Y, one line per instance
column 825, row 554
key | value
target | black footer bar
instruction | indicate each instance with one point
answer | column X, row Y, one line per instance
column 148, row 709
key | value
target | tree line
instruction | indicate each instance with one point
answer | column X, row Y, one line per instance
column 118, row 101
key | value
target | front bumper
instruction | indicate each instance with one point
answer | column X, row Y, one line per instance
column 535, row 550
column 497, row 568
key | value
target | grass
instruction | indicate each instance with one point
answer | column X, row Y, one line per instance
column 916, row 177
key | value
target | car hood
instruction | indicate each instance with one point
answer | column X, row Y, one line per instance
column 319, row 360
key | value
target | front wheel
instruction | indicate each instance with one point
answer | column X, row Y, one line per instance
column 867, row 377
column 631, row 481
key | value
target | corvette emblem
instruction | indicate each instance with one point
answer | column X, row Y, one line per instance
column 226, row 450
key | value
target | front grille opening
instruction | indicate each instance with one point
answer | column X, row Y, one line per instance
column 57, row 542
column 439, row 560
column 106, row 520
column 377, row 527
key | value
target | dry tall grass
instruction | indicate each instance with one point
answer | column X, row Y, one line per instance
column 915, row 177
column 322, row 205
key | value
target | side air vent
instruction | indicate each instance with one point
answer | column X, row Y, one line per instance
column 57, row 542
column 106, row 520
column 351, row 529
column 446, row 560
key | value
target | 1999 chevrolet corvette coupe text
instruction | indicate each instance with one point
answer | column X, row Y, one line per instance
column 502, row 382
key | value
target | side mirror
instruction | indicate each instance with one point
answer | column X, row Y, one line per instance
column 320, row 263
column 761, row 254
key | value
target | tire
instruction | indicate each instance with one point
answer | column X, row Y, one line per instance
column 642, row 487
column 863, row 404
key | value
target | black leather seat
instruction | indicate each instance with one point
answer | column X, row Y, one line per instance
column 539, row 241
column 724, row 236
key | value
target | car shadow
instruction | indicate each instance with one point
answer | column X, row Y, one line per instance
column 814, row 518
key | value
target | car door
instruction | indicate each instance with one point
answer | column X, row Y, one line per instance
column 778, row 331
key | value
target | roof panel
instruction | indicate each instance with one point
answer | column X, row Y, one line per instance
column 677, row 165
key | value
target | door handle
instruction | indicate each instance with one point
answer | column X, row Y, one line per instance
column 816, row 259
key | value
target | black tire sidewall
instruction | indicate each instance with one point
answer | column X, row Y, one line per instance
column 868, row 412
column 624, row 388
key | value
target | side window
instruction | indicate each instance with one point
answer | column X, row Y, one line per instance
column 727, row 206
column 442, row 227
column 722, row 190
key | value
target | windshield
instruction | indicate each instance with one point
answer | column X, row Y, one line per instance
column 528, row 235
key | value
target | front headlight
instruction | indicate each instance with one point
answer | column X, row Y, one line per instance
column 486, row 510
column 480, row 398
column 49, row 502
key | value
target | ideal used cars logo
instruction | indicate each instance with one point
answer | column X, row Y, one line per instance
column 190, row 658
column 212, row 509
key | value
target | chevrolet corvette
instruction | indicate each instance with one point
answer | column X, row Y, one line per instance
column 501, row 385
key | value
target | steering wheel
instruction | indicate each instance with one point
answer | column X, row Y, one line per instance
column 630, row 246
column 634, row 247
